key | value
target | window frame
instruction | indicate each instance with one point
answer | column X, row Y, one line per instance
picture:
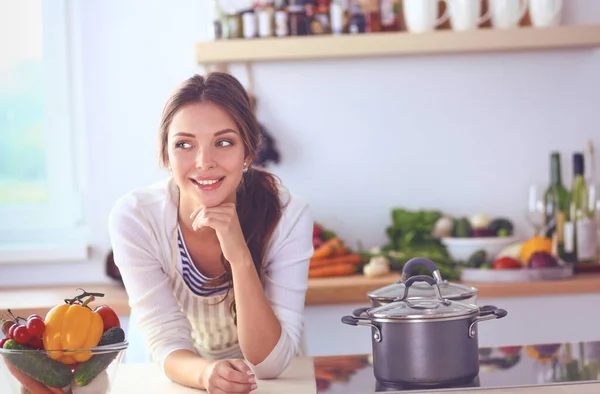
column 55, row 232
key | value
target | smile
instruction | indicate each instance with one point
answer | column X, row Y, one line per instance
column 207, row 184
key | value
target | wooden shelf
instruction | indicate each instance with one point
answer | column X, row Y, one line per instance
column 354, row 289
column 396, row 44
column 24, row 301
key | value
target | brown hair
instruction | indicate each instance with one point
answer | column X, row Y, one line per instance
column 258, row 205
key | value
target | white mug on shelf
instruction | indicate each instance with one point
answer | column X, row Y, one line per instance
column 544, row 13
column 422, row 15
column 507, row 14
column 466, row 14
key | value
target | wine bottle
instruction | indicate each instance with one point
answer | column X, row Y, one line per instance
column 584, row 246
column 556, row 204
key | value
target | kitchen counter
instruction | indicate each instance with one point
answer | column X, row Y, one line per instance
column 547, row 368
column 24, row 301
column 572, row 368
column 298, row 378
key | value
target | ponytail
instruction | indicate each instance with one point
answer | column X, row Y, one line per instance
column 259, row 211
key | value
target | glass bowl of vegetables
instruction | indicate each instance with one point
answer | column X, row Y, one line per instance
column 74, row 349
column 33, row 371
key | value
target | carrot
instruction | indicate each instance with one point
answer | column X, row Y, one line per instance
column 327, row 248
column 30, row 384
column 353, row 259
column 341, row 362
column 326, row 375
column 332, row 270
column 341, row 251
column 55, row 390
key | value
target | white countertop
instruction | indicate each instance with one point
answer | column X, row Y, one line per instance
column 298, row 378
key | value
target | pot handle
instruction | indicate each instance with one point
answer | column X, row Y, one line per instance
column 421, row 262
column 422, row 278
column 486, row 315
column 361, row 321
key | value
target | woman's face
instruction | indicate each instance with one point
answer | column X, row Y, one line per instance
column 206, row 154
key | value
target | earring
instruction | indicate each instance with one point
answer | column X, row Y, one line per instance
column 245, row 168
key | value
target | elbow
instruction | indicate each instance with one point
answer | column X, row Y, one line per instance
column 269, row 372
column 277, row 361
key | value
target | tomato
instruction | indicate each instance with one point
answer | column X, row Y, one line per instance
column 36, row 343
column 11, row 331
column 506, row 263
column 3, row 341
column 35, row 326
column 510, row 350
column 21, row 335
column 109, row 317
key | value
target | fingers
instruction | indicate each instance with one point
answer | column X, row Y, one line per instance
column 241, row 366
column 233, row 380
column 230, row 372
column 196, row 212
column 210, row 219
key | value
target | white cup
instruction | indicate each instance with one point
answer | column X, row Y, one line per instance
column 545, row 13
column 507, row 14
column 422, row 15
column 466, row 14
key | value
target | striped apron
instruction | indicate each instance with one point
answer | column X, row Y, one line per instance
column 213, row 332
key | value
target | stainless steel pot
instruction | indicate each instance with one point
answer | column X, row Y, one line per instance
column 451, row 291
column 425, row 341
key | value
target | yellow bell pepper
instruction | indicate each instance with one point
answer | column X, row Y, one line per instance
column 72, row 326
column 532, row 245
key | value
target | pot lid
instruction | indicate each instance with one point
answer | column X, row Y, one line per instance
column 410, row 308
column 452, row 291
column 418, row 308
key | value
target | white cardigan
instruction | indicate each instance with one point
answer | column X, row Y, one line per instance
column 141, row 225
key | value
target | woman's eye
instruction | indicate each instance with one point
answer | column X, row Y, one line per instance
column 183, row 145
column 224, row 143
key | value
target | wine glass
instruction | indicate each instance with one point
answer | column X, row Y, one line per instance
column 535, row 207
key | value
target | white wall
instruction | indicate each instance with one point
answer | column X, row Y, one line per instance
column 458, row 133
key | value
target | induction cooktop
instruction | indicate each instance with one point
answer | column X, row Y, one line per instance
column 510, row 366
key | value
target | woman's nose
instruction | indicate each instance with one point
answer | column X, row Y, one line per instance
column 205, row 159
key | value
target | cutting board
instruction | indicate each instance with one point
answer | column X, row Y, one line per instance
column 299, row 378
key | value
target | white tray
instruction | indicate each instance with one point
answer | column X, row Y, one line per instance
column 515, row 275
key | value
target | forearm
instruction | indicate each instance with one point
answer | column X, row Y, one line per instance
column 259, row 328
column 186, row 368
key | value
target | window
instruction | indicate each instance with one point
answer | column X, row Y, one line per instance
column 40, row 206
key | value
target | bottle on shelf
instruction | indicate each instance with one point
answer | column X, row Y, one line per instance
column 217, row 25
column 249, row 23
column 581, row 242
column 264, row 11
column 371, row 12
column 322, row 18
column 357, row 23
column 556, row 207
column 337, row 17
column 388, row 10
column 281, row 19
column 297, row 19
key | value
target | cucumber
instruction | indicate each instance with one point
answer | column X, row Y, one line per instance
column 87, row 371
column 38, row 366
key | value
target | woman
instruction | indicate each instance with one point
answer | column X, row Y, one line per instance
column 214, row 259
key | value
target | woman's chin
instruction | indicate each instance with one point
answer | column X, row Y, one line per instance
column 209, row 199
